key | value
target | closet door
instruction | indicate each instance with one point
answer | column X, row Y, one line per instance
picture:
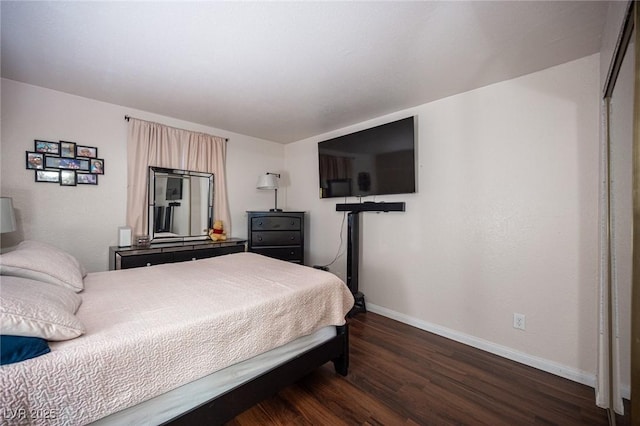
column 619, row 339
column 621, row 218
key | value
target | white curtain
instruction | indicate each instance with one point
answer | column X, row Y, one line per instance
column 154, row 144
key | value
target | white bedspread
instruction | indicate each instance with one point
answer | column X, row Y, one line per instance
column 152, row 329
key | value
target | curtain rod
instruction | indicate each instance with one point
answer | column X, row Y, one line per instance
column 128, row 117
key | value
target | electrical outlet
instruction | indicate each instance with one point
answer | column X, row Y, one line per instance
column 518, row 321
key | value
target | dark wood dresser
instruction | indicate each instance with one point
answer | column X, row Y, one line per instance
column 277, row 234
column 134, row 257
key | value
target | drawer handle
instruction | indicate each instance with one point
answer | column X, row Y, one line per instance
column 259, row 238
column 260, row 223
column 292, row 238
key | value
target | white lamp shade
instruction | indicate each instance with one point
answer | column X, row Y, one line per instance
column 267, row 182
column 7, row 217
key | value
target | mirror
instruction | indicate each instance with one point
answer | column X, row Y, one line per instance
column 180, row 204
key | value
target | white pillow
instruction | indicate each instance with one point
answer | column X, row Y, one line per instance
column 43, row 262
column 34, row 309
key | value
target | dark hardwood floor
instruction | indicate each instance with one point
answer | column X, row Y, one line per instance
column 402, row 375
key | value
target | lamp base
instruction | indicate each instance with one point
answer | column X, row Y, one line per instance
column 275, row 210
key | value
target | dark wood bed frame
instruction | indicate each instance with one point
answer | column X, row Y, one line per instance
column 228, row 405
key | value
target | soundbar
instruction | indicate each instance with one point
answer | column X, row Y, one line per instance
column 370, row 206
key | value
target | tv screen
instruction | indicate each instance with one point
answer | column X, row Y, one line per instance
column 174, row 188
column 375, row 161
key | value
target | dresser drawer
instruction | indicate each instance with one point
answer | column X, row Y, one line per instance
column 276, row 223
column 182, row 256
column 276, row 238
column 145, row 260
column 291, row 254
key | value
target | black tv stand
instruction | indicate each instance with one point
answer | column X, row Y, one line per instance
column 353, row 261
column 353, row 244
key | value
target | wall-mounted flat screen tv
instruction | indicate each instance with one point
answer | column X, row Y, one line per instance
column 375, row 161
column 174, row 188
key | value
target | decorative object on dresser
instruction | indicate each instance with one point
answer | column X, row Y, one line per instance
column 270, row 181
column 142, row 241
column 277, row 234
column 65, row 163
column 155, row 254
column 124, row 236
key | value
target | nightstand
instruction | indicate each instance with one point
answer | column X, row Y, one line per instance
column 277, row 234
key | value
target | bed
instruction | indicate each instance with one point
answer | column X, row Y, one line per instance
column 184, row 343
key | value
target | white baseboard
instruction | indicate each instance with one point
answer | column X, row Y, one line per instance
column 573, row 374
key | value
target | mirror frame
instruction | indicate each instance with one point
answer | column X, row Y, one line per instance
column 151, row 184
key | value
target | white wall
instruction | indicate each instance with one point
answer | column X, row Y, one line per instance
column 504, row 220
column 84, row 219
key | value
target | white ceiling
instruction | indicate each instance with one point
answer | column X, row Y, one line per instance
column 284, row 71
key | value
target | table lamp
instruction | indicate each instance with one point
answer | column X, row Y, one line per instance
column 270, row 181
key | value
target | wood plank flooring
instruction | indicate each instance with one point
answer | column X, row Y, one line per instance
column 402, row 375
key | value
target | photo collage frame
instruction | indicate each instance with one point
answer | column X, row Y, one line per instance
column 65, row 163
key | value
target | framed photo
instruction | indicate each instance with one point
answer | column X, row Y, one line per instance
column 86, row 151
column 47, row 147
column 74, row 164
column 67, row 177
column 35, row 160
column 86, row 179
column 52, row 176
column 83, row 165
column 67, row 149
column 51, row 162
column 97, row 166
